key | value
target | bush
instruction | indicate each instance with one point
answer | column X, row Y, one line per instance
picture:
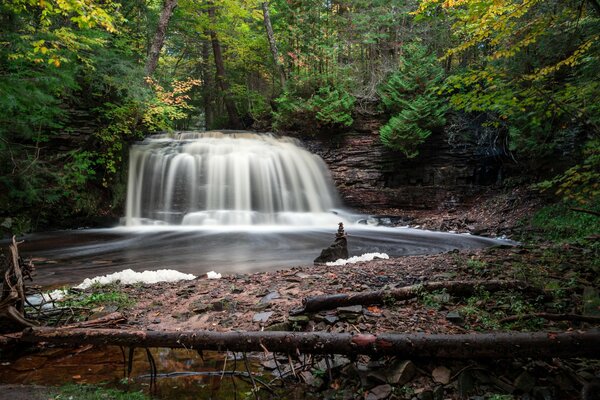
column 314, row 103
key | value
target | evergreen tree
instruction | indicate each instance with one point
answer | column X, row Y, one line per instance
column 410, row 94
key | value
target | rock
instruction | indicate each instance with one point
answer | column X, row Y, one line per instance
column 441, row 375
column 331, row 319
column 524, row 382
column 271, row 296
column 350, row 310
column 455, row 317
column 298, row 319
column 379, row 392
column 401, row 372
column 282, row 326
column 269, row 364
column 199, row 307
column 262, row 316
column 339, row 248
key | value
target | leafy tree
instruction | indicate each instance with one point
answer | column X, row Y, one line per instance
column 410, row 94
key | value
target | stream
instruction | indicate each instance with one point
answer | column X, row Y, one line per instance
column 68, row 257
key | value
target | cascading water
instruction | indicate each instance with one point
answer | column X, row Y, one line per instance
column 216, row 178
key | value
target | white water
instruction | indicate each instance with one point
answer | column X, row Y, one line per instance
column 216, row 179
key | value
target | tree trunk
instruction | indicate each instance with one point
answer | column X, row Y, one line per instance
column 539, row 345
column 159, row 36
column 456, row 288
column 234, row 121
column 209, row 87
column 272, row 43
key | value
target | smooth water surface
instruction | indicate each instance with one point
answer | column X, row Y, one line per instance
column 67, row 257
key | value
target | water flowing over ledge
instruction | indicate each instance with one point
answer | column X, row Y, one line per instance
column 236, row 178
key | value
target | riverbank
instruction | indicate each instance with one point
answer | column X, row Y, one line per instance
column 269, row 300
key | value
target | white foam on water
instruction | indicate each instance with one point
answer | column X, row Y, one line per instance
column 128, row 277
column 355, row 259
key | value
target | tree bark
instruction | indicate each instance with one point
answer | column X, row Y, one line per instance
column 208, row 83
column 159, row 36
column 456, row 288
column 539, row 345
column 234, row 121
column 272, row 43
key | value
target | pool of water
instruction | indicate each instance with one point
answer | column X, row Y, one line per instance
column 68, row 257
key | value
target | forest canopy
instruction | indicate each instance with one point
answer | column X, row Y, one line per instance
column 80, row 79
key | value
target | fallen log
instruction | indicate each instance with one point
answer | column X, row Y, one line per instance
column 455, row 288
column 413, row 345
column 553, row 317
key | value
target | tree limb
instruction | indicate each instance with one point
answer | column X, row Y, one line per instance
column 455, row 288
column 413, row 345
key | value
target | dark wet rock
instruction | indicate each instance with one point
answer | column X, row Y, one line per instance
column 455, row 317
column 339, row 248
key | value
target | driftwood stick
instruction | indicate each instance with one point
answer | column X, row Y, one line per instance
column 539, row 345
column 455, row 288
column 553, row 317
column 12, row 295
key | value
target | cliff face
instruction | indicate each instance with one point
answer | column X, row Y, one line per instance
column 449, row 170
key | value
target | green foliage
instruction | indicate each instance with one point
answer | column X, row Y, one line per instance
column 101, row 296
column 530, row 66
column 580, row 183
column 94, row 392
column 333, row 107
column 559, row 223
column 411, row 94
column 320, row 103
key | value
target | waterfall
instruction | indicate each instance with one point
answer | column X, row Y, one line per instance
column 216, row 178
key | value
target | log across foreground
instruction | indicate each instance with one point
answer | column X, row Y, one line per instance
column 413, row 345
column 455, row 288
